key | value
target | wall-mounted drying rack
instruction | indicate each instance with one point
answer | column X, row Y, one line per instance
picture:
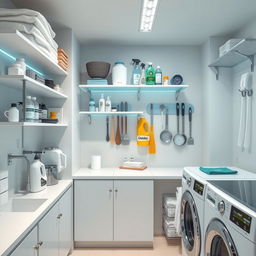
column 159, row 109
column 138, row 89
column 244, row 50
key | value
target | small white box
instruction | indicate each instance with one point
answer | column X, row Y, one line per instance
column 228, row 46
column 3, row 185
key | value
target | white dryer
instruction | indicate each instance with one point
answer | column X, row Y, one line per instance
column 230, row 215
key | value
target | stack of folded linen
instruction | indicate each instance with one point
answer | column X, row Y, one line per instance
column 34, row 26
column 169, row 227
column 63, row 59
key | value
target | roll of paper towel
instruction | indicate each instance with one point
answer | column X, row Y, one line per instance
column 95, row 162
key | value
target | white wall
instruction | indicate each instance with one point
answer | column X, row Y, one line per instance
column 173, row 60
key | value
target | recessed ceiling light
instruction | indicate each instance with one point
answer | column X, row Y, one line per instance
column 148, row 15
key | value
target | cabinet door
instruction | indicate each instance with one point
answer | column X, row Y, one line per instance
column 49, row 233
column 65, row 223
column 93, row 210
column 27, row 246
column 133, row 210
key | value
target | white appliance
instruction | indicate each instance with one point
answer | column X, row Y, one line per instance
column 194, row 184
column 230, row 215
column 54, row 156
column 37, row 175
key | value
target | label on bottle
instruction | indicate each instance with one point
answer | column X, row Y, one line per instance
column 36, row 114
column 158, row 78
column 136, row 79
column 29, row 114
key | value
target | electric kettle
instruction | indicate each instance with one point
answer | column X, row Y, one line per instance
column 37, row 175
column 54, row 156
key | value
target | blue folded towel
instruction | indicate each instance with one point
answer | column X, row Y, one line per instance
column 217, row 170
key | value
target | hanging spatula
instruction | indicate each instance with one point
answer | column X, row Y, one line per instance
column 112, row 131
column 126, row 139
column 118, row 132
column 190, row 139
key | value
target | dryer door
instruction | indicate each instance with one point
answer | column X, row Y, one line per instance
column 190, row 226
column 218, row 241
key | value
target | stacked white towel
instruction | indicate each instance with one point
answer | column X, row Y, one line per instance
column 169, row 204
column 169, row 227
column 33, row 25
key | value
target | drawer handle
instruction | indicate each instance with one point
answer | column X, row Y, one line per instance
column 110, row 191
column 116, row 190
column 60, row 215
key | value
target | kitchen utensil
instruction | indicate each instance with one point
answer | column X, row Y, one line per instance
column 98, row 69
column 126, row 139
column 165, row 135
column 118, row 133
column 162, row 107
column 178, row 139
column 51, row 173
column 152, row 143
column 122, row 123
column 183, row 121
column 112, row 131
column 37, row 175
column 190, row 139
column 107, row 136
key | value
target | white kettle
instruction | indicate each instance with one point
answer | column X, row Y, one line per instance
column 37, row 175
column 54, row 156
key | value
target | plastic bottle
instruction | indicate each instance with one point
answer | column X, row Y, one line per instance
column 159, row 76
column 44, row 111
column 136, row 73
column 142, row 131
column 92, row 107
column 150, row 75
column 143, row 74
column 21, row 61
column 102, row 104
column 30, row 110
column 36, row 113
column 108, row 106
column 119, row 73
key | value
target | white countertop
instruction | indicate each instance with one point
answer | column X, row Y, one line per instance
column 116, row 173
column 14, row 226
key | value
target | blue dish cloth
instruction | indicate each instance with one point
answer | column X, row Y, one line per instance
column 217, row 170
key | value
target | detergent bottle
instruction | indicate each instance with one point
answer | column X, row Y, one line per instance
column 136, row 74
column 143, row 130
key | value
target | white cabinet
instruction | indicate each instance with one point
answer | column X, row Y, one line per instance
column 93, row 210
column 117, row 211
column 28, row 246
column 65, row 223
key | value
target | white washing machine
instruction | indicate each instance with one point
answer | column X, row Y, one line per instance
column 194, row 184
column 230, row 215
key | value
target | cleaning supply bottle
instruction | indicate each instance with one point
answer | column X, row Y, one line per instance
column 102, row 104
column 36, row 113
column 108, row 105
column 150, row 74
column 143, row 74
column 29, row 110
column 92, row 107
column 143, row 131
column 159, row 76
column 136, row 73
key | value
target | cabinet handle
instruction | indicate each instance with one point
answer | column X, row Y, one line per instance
column 116, row 190
column 110, row 191
column 59, row 216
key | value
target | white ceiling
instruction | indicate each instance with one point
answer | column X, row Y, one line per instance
column 178, row 22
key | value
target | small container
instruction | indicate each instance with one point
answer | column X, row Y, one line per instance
column 119, row 73
column 92, row 107
column 102, row 104
column 53, row 115
column 21, row 62
column 166, row 80
column 96, row 162
column 15, row 69
column 44, row 111
column 12, row 114
column 108, row 105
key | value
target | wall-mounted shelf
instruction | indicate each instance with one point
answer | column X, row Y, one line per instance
column 244, row 50
column 139, row 89
column 17, row 44
column 33, row 87
column 27, row 124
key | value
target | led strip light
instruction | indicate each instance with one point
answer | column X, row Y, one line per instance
column 148, row 15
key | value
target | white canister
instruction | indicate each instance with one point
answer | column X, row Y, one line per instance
column 96, row 162
column 21, row 61
column 12, row 114
column 15, row 70
column 119, row 74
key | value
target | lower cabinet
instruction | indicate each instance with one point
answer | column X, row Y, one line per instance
column 113, row 211
column 52, row 236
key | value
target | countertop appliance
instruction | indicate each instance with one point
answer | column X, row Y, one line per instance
column 230, row 215
column 51, row 173
column 54, row 156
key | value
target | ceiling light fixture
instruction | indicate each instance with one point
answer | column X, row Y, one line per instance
column 148, row 15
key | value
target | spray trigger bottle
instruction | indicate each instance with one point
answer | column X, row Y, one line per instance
column 143, row 75
column 136, row 74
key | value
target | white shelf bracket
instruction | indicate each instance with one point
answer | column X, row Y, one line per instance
column 216, row 71
column 139, row 94
column 177, row 95
column 89, row 119
column 249, row 57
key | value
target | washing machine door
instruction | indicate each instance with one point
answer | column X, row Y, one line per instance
column 218, row 241
column 190, row 226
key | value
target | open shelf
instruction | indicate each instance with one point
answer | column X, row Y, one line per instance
column 244, row 50
column 17, row 44
column 33, row 87
column 28, row 124
column 118, row 113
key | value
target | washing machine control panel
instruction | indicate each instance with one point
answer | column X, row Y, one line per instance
column 198, row 187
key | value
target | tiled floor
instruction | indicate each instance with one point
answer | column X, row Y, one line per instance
column 161, row 248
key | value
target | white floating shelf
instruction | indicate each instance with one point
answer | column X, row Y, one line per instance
column 27, row 124
column 18, row 45
column 33, row 87
column 244, row 50
column 118, row 113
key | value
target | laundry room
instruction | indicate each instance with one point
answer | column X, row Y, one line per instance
column 127, row 128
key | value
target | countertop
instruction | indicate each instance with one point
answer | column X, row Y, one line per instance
column 16, row 225
column 116, row 173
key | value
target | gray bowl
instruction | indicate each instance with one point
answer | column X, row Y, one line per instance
column 98, row 69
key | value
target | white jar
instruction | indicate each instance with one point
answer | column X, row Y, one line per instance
column 96, row 162
column 12, row 114
column 15, row 70
column 21, row 61
column 119, row 74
